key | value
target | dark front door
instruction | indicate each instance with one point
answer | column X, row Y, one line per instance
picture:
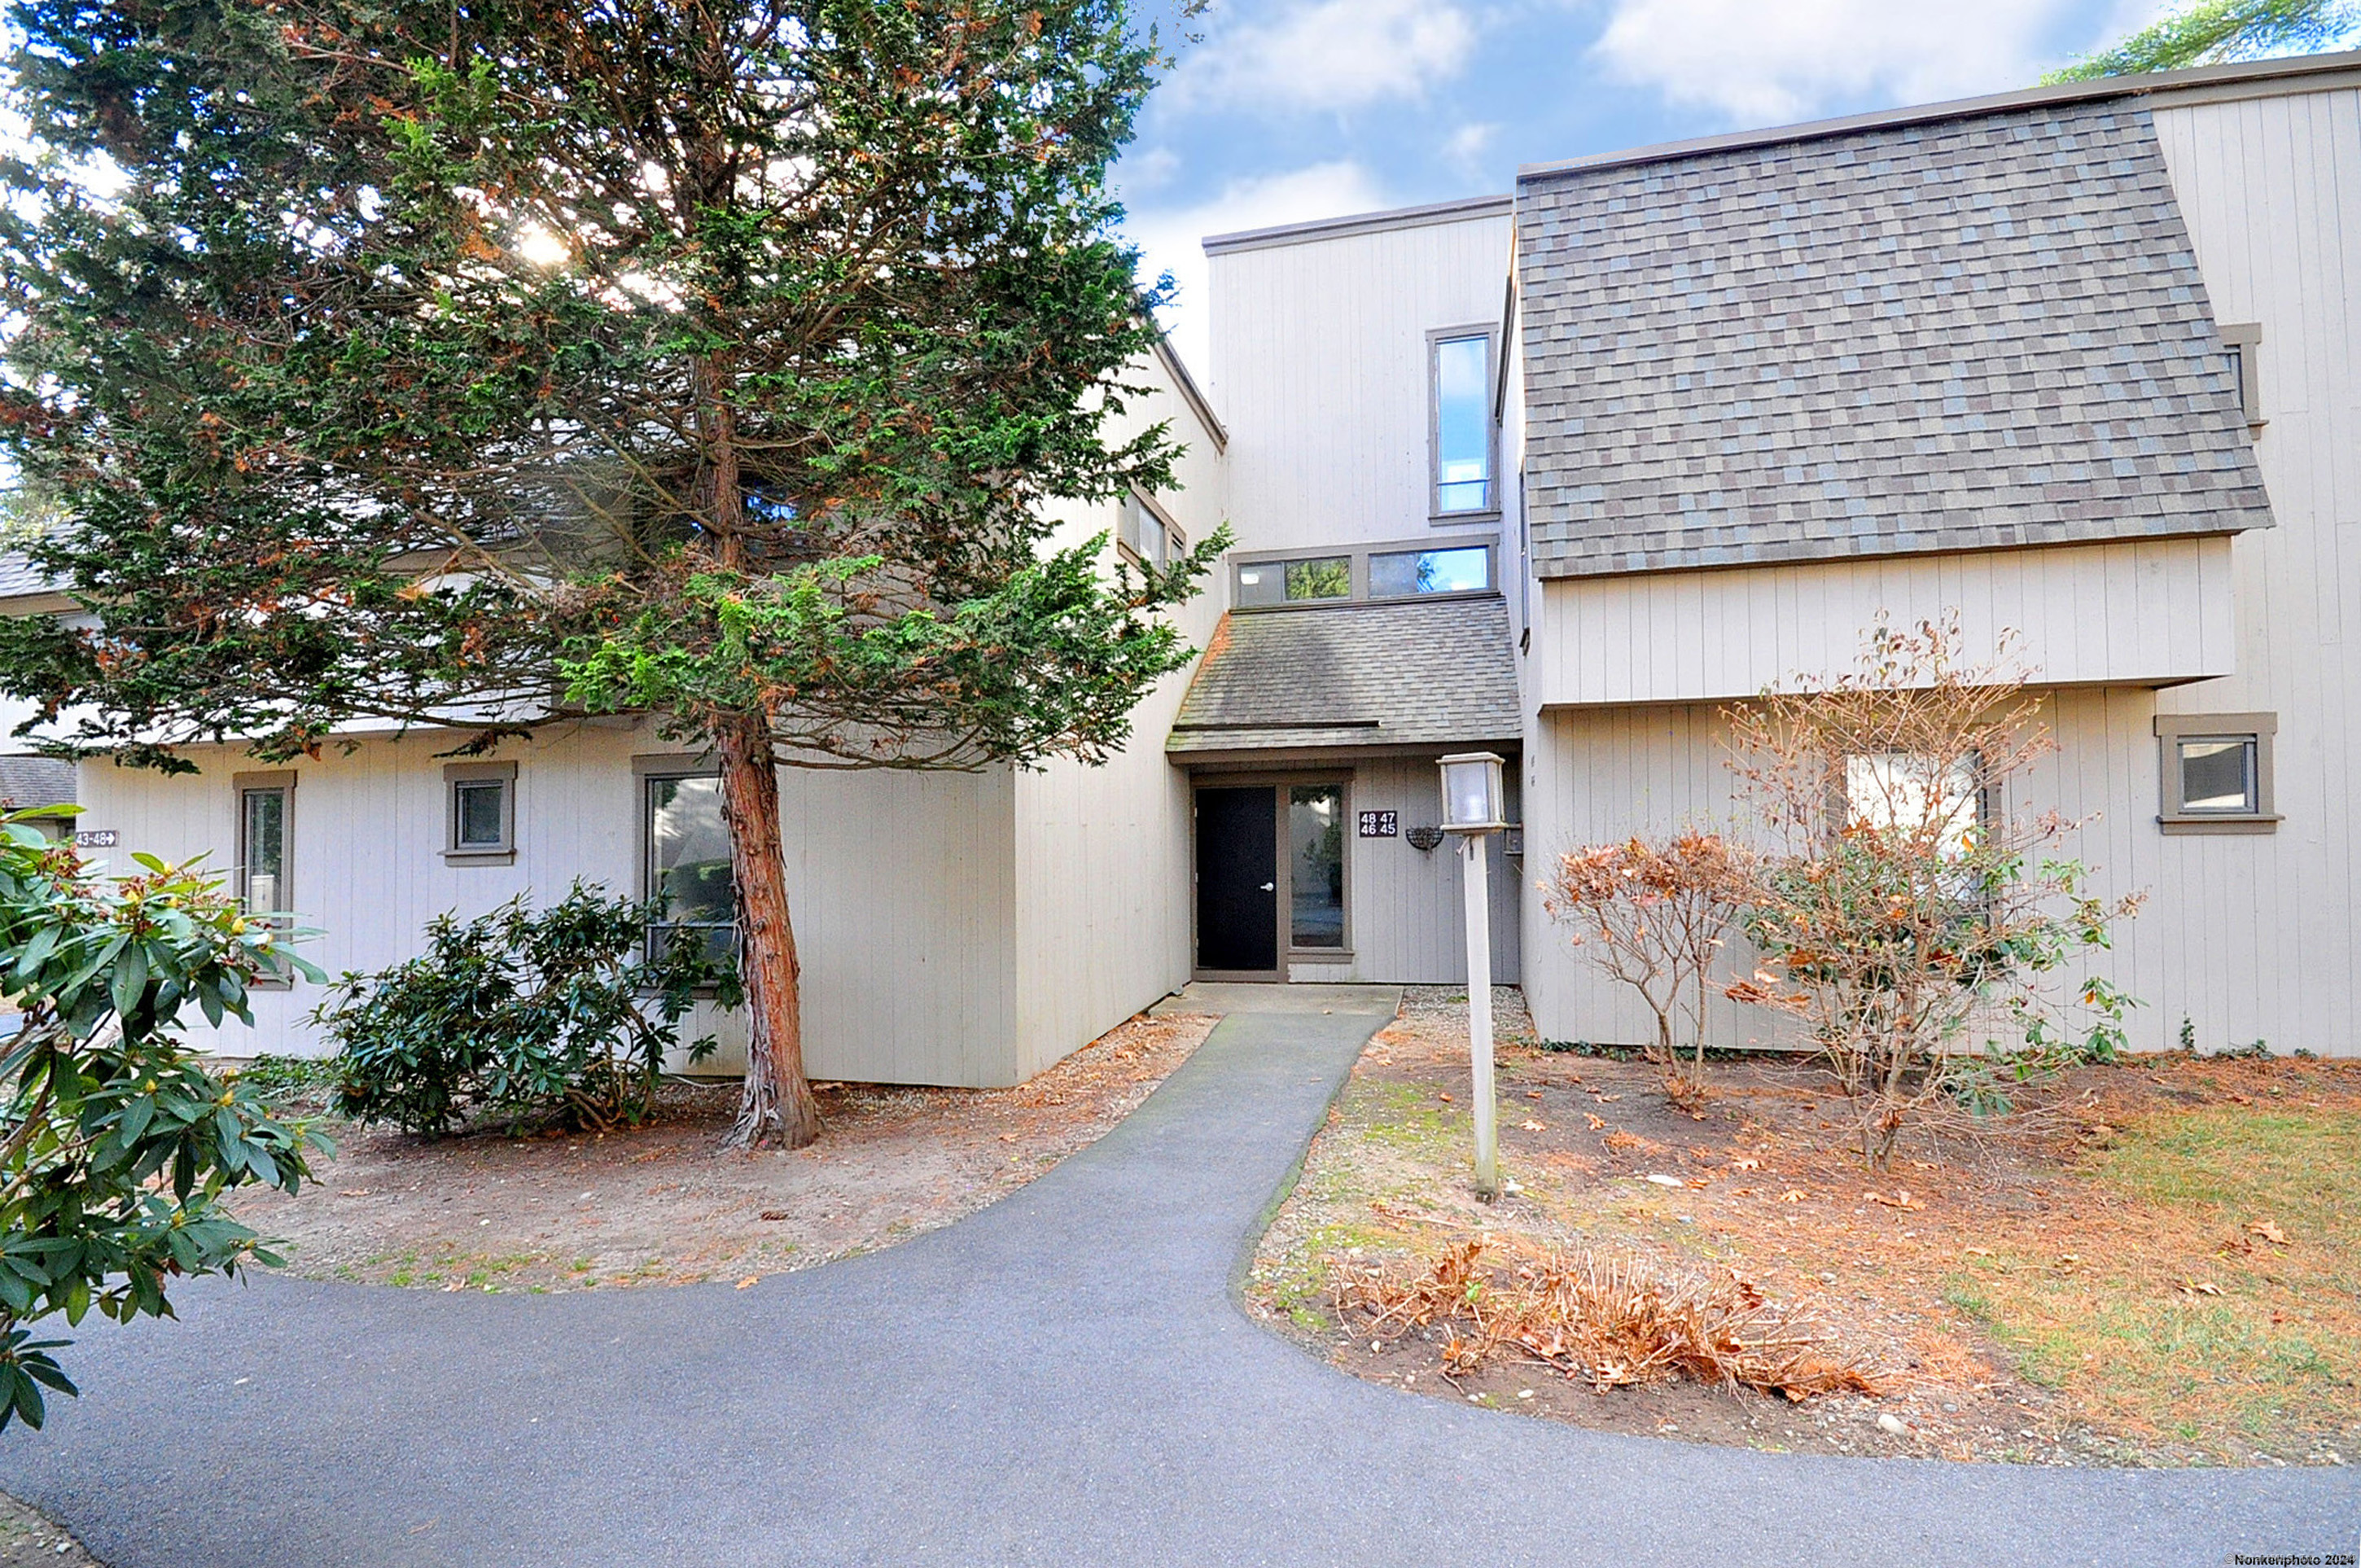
column 1237, row 880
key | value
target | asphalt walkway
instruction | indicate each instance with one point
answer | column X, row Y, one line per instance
column 1062, row 1379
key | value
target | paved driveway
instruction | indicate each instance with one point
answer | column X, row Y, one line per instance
column 1062, row 1379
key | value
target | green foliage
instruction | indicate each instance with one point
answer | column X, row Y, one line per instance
column 116, row 1144
column 543, row 358
column 1985, row 1085
column 520, row 1015
column 1900, row 902
column 2214, row 32
column 276, row 1077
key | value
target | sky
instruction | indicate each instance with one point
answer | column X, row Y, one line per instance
column 1289, row 110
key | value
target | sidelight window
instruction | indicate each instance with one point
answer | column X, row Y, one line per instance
column 1315, row 833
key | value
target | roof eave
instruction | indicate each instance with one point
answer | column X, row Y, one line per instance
column 2195, row 81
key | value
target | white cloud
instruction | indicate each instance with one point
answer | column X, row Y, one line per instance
column 1762, row 63
column 1151, row 169
column 1465, row 147
column 1327, row 55
column 1170, row 238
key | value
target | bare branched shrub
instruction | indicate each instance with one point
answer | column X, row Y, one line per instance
column 1899, row 898
column 1611, row 1322
column 1656, row 917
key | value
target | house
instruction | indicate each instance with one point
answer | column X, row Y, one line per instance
column 1559, row 475
column 2074, row 362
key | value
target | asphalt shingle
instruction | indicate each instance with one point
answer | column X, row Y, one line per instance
column 28, row 781
column 19, row 577
column 1962, row 335
column 1390, row 673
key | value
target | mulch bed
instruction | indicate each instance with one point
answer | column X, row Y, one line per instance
column 1754, row 1180
column 665, row 1205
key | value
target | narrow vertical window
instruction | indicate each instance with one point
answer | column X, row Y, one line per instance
column 689, row 874
column 1462, row 436
column 1315, row 830
column 264, row 809
column 2241, row 347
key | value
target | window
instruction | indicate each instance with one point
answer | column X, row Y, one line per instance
column 1293, row 582
column 1315, row 872
column 266, row 811
column 2216, row 772
column 1400, row 574
column 688, row 853
column 1903, row 791
column 2241, row 350
column 1384, row 570
column 1462, row 438
column 480, row 814
column 1148, row 533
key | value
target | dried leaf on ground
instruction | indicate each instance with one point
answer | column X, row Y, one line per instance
column 1616, row 1321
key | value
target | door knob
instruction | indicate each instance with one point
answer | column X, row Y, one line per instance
column 1270, row 887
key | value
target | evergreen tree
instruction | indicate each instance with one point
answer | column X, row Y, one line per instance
column 2214, row 32
column 500, row 361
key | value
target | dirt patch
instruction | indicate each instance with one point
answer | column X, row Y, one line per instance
column 665, row 1205
column 28, row 1536
column 2164, row 1267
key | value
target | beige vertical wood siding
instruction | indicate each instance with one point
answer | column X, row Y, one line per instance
column 900, row 883
column 1319, row 353
column 1408, row 920
column 2151, row 611
column 1101, row 873
column 2246, row 936
column 2265, row 940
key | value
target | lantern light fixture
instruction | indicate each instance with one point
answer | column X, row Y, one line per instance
column 1473, row 798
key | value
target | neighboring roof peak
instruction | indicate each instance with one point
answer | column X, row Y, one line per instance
column 1460, row 210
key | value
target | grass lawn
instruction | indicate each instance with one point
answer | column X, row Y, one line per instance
column 2168, row 1271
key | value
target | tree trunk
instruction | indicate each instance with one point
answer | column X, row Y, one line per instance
column 778, row 1107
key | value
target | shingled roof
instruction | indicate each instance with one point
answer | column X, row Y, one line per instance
column 1404, row 672
column 28, row 781
column 19, row 577
column 1972, row 333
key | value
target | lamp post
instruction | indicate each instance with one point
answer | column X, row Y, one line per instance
column 1473, row 809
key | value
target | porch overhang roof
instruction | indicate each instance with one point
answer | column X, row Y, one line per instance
column 1353, row 677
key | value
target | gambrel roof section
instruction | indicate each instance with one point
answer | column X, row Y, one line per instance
column 1944, row 335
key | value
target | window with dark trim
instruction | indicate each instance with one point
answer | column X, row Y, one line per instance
column 2216, row 772
column 2241, row 355
column 1147, row 535
column 480, row 813
column 1466, row 565
column 1463, row 438
column 1405, row 574
column 265, row 832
